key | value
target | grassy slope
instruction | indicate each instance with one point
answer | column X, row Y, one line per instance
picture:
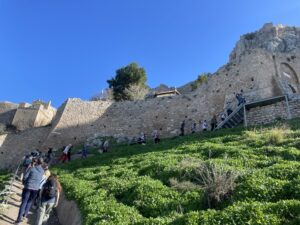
column 131, row 185
column 4, row 177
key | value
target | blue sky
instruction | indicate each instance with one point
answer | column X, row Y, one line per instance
column 55, row 49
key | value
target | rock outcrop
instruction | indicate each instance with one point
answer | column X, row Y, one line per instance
column 274, row 39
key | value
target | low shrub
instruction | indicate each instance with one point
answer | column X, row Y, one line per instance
column 258, row 187
column 217, row 182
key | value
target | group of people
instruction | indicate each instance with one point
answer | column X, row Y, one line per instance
column 214, row 121
column 41, row 188
column 240, row 97
column 142, row 138
column 202, row 124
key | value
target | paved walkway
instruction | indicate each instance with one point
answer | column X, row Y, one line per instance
column 9, row 215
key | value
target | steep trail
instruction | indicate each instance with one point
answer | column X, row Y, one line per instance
column 9, row 215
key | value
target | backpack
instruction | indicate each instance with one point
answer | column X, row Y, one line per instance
column 27, row 162
column 49, row 189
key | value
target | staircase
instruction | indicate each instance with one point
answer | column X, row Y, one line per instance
column 234, row 119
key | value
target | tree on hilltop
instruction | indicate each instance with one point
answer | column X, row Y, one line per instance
column 129, row 83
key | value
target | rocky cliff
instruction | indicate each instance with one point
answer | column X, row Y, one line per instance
column 274, row 39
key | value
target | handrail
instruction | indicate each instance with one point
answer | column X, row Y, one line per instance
column 8, row 189
column 230, row 116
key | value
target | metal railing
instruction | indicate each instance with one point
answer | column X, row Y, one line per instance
column 220, row 125
column 8, row 188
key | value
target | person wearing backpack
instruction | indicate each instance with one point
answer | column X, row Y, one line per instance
column 26, row 162
column 46, row 175
column 31, row 183
column 49, row 197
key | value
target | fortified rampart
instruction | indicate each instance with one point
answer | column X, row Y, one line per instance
column 25, row 115
column 258, row 73
column 35, row 115
column 13, row 146
column 7, row 112
column 264, row 64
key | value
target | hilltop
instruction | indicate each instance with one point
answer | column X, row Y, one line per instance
column 263, row 64
column 236, row 176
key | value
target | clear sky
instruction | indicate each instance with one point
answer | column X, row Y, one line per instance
column 55, row 49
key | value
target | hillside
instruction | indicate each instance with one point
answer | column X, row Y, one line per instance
column 168, row 183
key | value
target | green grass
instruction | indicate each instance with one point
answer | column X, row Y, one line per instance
column 4, row 178
column 135, row 184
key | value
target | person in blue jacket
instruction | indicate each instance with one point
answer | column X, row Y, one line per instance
column 32, row 180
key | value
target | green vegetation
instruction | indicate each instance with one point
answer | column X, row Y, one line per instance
column 129, row 83
column 232, row 176
column 4, row 178
column 202, row 78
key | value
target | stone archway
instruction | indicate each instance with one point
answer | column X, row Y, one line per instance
column 289, row 78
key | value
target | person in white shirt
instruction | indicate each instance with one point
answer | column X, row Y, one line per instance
column 204, row 125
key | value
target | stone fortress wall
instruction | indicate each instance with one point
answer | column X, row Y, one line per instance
column 14, row 146
column 261, row 70
column 7, row 112
column 36, row 114
column 263, row 64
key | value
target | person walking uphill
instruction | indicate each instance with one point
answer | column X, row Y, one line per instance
column 182, row 126
column 65, row 155
column 49, row 196
column 32, row 180
column 213, row 122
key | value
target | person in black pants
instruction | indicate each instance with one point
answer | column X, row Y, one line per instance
column 32, row 180
column 213, row 122
column 182, row 128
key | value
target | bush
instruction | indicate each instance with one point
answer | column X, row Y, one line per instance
column 276, row 135
column 152, row 198
column 256, row 186
column 217, row 182
column 183, row 185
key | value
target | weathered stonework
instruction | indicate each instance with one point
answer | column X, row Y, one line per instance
column 7, row 112
column 14, row 146
column 267, row 114
column 25, row 115
column 263, row 64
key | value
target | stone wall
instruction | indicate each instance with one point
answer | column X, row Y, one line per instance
column 270, row 113
column 7, row 106
column 14, row 146
column 263, row 64
column 267, row 114
column 33, row 116
column 256, row 73
column 44, row 117
column 294, row 106
column 7, row 117
column 7, row 112
column 24, row 118
column 68, row 212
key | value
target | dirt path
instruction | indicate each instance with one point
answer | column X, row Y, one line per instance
column 9, row 215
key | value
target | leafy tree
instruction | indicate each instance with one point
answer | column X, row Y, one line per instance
column 136, row 92
column 126, row 78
